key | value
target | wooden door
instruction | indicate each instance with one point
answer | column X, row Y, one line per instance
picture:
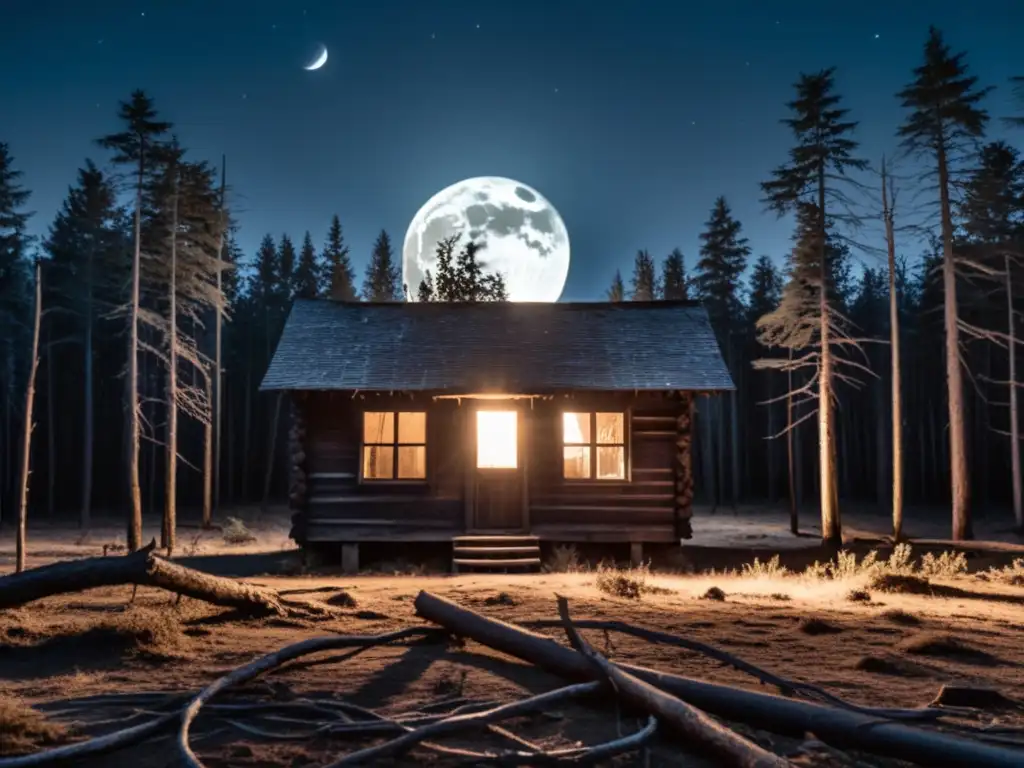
column 498, row 470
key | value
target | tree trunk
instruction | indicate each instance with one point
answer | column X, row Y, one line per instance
column 216, row 416
column 171, row 480
column 1018, row 511
column 26, row 442
column 272, row 451
column 134, row 534
column 51, row 436
column 772, row 461
column 209, row 473
column 247, row 419
column 960, row 489
column 794, row 504
column 895, row 374
column 720, row 447
column 85, row 512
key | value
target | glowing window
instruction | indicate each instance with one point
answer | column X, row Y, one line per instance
column 497, row 443
column 394, row 445
column 593, row 446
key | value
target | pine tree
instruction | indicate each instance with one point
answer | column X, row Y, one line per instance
column 992, row 216
column 674, row 285
column 765, row 289
column 819, row 161
column 723, row 260
column 286, row 263
column 944, row 119
column 383, row 280
column 134, row 148
column 308, row 272
column 645, row 278
column 426, row 290
column 338, row 273
column 14, row 301
column 83, row 246
column 617, row 291
column 461, row 277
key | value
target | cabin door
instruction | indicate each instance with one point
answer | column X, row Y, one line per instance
column 498, row 500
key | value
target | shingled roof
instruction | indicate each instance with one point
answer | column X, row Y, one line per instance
column 500, row 347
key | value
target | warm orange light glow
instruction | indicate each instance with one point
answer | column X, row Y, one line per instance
column 497, row 445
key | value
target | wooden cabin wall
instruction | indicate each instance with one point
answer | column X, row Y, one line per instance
column 643, row 507
column 340, row 508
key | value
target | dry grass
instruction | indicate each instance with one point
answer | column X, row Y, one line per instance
column 944, row 646
column 563, row 559
column 236, row 532
column 629, row 583
column 816, row 626
column 24, row 730
column 898, row 616
column 900, row 583
column 149, row 633
column 890, row 665
column 1012, row 575
column 858, row 596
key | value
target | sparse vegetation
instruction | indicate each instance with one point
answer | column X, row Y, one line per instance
column 24, row 730
column 714, row 593
column 236, row 532
column 630, row 583
column 858, row 596
column 563, row 559
column 816, row 626
column 1011, row 575
column 948, row 646
column 769, row 569
column 900, row 583
column 898, row 616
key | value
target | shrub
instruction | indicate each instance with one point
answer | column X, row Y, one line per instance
column 563, row 559
column 948, row 565
column 630, row 583
column 767, row 570
column 236, row 532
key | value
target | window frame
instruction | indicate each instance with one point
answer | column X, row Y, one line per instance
column 593, row 445
column 395, row 445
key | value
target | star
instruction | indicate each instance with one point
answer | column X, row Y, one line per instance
column 100, row 41
column 143, row 14
column 273, row 26
column 877, row 36
column 556, row 90
column 245, row 95
column 433, row 36
column 478, row 26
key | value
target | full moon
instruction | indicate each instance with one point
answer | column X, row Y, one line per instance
column 523, row 237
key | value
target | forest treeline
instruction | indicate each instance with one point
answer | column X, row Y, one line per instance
column 155, row 328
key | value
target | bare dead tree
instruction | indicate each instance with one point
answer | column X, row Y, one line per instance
column 888, row 204
column 26, row 443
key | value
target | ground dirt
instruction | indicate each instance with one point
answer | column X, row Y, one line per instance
column 894, row 649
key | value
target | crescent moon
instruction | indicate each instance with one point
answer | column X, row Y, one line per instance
column 320, row 60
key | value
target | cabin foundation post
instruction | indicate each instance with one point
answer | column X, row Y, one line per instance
column 683, row 506
column 350, row 558
column 636, row 553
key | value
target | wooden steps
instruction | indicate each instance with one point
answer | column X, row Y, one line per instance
column 495, row 553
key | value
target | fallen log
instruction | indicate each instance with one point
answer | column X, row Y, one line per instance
column 840, row 728
column 684, row 720
column 17, row 589
column 144, row 567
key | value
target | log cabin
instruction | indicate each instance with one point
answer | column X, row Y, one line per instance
column 492, row 426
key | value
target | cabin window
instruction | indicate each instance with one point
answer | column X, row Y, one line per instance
column 594, row 446
column 394, row 445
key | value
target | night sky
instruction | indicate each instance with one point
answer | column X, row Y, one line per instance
column 630, row 117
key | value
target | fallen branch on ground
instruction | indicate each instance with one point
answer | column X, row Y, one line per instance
column 144, row 567
column 787, row 687
column 684, row 720
column 840, row 728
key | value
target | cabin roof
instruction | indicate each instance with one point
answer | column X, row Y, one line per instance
column 497, row 347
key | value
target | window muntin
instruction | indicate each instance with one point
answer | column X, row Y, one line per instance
column 394, row 445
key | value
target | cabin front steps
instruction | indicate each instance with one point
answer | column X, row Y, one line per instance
column 497, row 553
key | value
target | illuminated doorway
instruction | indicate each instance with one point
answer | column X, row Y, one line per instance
column 498, row 489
